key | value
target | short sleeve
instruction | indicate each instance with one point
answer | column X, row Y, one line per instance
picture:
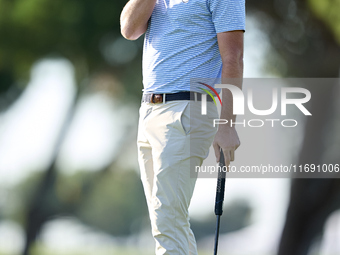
column 228, row 15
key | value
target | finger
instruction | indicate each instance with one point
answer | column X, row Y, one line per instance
column 238, row 145
column 217, row 151
column 226, row 154
column 232, row 155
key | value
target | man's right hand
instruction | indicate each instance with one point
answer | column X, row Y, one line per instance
column 134, row 18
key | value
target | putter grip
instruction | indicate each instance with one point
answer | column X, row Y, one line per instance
column 220, row 188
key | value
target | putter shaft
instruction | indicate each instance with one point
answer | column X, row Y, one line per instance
column 219, row 200
column 218, row 217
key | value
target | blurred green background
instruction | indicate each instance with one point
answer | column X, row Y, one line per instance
column 70, row 87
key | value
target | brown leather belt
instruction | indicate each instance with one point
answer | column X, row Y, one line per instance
column 186, row 95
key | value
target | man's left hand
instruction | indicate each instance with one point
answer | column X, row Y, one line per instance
column 227, row 139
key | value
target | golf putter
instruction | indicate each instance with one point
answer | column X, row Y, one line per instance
column 219, row 199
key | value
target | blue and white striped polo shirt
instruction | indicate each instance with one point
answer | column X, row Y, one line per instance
column 181, row 41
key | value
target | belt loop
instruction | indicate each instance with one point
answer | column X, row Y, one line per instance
column 164, row 98
column 195, row 93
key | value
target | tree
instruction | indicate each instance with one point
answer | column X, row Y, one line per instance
column 83, row 31
column 306, row 36
column 86, row 33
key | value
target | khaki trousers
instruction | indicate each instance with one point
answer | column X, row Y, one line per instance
column 173, row 138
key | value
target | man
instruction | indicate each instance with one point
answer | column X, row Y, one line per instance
column 184, row 40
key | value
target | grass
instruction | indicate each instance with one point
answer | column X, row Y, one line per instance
column 40, row 250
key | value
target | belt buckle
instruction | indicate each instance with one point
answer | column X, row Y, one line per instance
column 156, row 98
